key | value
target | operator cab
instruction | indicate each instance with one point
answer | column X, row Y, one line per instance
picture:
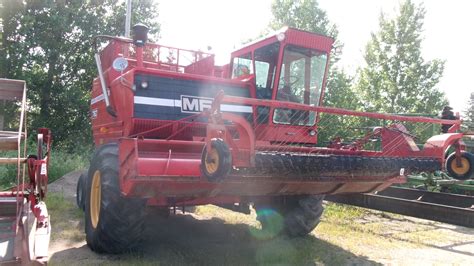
column 288, row 66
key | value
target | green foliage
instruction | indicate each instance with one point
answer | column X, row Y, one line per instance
column 307, row 15
column 301, row 14
column 397, row 79
column 143, row 11
column 61, row 162
column 50, row 45
column 56, row 202
column 62, row 211
column 339, row 91
column 336, row 212
column 9, row 11
column 469, row 113
column 7, row 172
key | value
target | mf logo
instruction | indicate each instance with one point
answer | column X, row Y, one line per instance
column 193, row 104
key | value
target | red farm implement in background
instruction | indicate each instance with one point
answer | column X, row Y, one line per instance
column 24, row 221
column 171, row 129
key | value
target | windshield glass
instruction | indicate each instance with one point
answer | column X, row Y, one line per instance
column 301, row 80
column 242, row 66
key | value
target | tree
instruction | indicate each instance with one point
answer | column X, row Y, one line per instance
column 304, row 15
column 301, row 14
column 397, row 79
column 50, row 45
column 340, row 91
column 307, row 15
column 9, row 12
column 469, row 114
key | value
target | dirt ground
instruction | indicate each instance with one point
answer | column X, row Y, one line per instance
column 215, row 236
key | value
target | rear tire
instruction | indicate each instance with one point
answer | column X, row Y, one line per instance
column 293, row 216
column 81, row 191
column 114, row 224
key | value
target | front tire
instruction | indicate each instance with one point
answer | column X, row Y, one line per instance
column 292, row 216
column 114, row 224
column 216, row 161
column 465, row 170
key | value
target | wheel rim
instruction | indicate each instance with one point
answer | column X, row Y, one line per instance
column 212, row 161
column 95, row 199
column 460, row 170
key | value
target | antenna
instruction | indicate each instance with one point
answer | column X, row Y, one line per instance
column 128, row 16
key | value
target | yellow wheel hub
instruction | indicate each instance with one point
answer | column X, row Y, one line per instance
column 463, row 168
column 95, row 199
column 212, row 161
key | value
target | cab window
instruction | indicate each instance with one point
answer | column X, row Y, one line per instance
column 301, row 81
column 242, row 66
column 266, row 59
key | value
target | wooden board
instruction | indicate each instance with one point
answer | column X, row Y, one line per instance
column 11, row 89
column 9, row 140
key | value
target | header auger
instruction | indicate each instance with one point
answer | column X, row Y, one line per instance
column 172, row 129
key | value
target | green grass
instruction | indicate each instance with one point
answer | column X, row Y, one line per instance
column 336, row 223
column 7, row 172
column 60, row 163
column 65, row 217
column 346, row 236
column 342, row 228
column 343, row 213
column 230, row 240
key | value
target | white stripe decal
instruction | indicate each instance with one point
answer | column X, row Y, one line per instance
column 156, row 101
column 97, row 99
column 236, row 108
column 177, row 103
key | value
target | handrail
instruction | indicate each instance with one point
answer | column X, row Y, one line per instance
column 331, row 110
column 197, row 56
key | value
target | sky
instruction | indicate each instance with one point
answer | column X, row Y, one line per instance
column 225, row 24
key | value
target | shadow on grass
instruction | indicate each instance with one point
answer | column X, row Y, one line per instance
column 183, row 239
column 414, row 227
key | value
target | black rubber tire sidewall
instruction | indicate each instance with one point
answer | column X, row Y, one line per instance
column 301, row 214
column 303, row 218
column 81, row 191
column 121, row 220
column 468, row 174
column 225, row 161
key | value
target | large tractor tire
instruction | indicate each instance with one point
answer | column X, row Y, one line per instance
column 292, row 216
column 114, row 224
column 81, row 191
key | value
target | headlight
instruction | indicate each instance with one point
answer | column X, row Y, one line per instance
column 312, row 133
column 144, row 84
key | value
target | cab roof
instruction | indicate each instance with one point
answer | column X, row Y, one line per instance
column 293, row 36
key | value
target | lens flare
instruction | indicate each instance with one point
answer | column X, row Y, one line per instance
column 272, row 224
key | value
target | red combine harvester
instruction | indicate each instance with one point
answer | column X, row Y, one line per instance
column 24, row 221
column 171, row 129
